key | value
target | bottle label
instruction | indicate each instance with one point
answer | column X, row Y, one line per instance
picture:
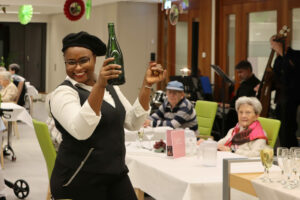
column 118, row 60
column 116, row 55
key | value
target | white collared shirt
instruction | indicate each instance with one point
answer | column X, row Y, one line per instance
column 81, row 121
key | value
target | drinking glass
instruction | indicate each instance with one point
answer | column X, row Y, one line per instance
column 266, row 156
column 288, row 170
column 282, row 152
column 149, row 136
column 294, row 168
column 140, row 137
column 296, row 164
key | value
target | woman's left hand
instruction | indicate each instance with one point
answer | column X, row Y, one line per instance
column 222, row 147
column 154, row 74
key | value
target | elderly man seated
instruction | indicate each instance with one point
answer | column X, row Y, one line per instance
column 176, row 111
column 9, row 91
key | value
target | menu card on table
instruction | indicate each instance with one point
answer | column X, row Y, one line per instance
column 175, row 143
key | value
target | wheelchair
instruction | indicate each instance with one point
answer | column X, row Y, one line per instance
column 20, row 187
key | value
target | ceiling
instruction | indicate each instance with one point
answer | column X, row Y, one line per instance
column 48, row 7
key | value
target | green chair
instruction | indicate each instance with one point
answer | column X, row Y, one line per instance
column 43, row 136
column 271, row 126
column 206, row 113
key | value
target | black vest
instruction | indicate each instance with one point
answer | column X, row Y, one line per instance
column 107, row 141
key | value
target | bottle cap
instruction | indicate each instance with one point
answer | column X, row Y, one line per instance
column 152, row 56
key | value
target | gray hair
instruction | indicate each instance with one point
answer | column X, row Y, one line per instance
column 252, row 101
column 5, row 75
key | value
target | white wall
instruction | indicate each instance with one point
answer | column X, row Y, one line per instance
column 136, row 28
column 137, row 36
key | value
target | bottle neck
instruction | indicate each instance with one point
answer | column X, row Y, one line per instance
column 111, row 30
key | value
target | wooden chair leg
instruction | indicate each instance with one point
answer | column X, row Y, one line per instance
column 139, row 193
column 49, row 193
column 2, row 157
column 16, row 130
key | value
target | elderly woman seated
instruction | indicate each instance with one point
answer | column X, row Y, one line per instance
column 9, row 91
column 247, row 137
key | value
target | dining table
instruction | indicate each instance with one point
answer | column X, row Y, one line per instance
column 185, row 178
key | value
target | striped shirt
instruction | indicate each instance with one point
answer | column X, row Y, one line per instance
column 183, row 115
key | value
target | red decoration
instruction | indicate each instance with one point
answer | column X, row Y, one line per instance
column 74, row 9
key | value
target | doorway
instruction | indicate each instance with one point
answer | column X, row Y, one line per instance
column 26, row 46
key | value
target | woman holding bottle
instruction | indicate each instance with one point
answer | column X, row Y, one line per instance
column 91, row 115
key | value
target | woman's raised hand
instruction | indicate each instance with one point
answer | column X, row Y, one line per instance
column 108, row 71
column 154, row 74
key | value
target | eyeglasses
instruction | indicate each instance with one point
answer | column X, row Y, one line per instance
column 81, row 62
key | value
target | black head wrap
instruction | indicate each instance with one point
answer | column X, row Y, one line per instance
column 83, row 39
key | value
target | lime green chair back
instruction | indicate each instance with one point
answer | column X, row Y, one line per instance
column 271, row 126
column 206, row 113
column 43, row 136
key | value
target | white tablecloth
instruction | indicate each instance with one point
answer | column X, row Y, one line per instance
column 17, row 113
column 183, row 178
column 159, row 133
column 274, row 191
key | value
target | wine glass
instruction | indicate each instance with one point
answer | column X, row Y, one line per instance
column 266, row 156
column 296, row 163
column 294, row 167
column 282, row 152
column 149, row 136
column 140, row 136
column 288, row 170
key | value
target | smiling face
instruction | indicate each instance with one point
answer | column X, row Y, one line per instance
column 246, row 115
column 80, row 64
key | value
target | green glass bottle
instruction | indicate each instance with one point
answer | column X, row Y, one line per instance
column 114, row 50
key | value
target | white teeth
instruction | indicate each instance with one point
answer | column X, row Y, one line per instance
column 79, row 74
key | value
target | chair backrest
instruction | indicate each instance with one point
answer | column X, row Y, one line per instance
column 271, row 126
column 206, row 84
column 206, row 113
column 20, row 100
column 206, row 88
column 43, row 136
